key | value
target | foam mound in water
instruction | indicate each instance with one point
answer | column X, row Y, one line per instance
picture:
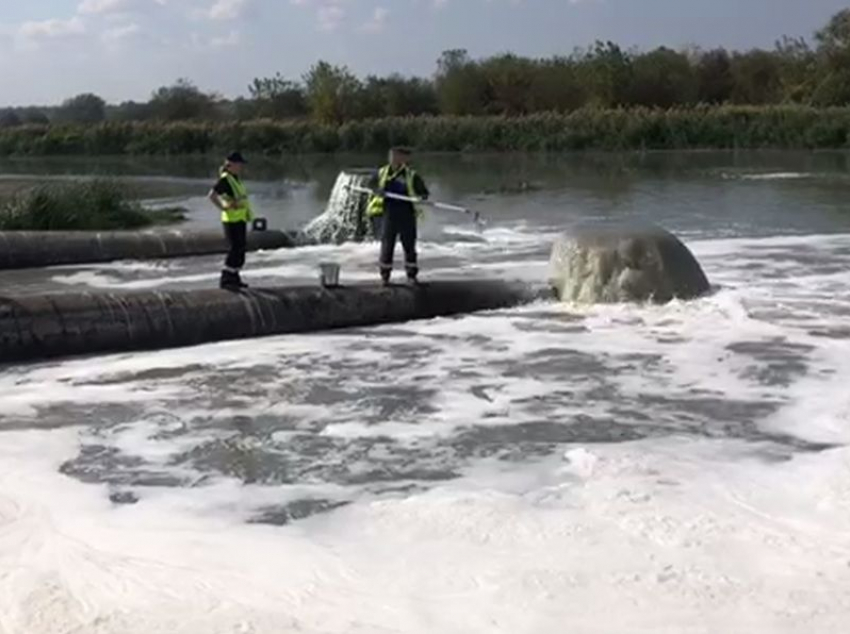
column 344, row 219
column 617, row 262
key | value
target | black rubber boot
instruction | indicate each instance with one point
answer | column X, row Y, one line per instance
column 239, row 282
column 230, row 281
column 385, row 278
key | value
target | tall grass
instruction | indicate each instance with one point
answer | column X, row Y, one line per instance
column 626, row 129
column 79, row 205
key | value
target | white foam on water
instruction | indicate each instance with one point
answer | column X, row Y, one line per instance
column 667, row 537
column 718, row 524
column 281, row 266
column 777, row 176
column 102, row 280
column 158, row 266
column 398, row 431
column 24, row 398
column 783, row 176
column 139, row 438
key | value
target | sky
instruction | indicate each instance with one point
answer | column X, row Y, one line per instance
column 124, row 49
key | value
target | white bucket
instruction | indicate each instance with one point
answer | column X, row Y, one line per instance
column 329, row 273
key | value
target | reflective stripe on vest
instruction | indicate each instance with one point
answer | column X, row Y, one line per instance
column 376, row 203
column 238, row 209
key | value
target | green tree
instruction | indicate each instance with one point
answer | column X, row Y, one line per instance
column 397, row 96
column 461, row 86
column 556, row 86
column 662, row 78
column 85, row 108
column 33, row 116
column 332, row 93
column 278, row 98
column 509, row 80
column 714, row 77
column 180, row 102
column 835, row 36
column 9, row 119
column 607, row 73
column 798, row 69
column 243, row 109
column 833, row 86
column 131, row 111
column 756, row 78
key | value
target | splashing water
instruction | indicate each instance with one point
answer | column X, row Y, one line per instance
column 344, row 219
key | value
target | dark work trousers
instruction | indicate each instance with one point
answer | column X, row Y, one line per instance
column 398, row 223
column 377, row 227
column 237, row 238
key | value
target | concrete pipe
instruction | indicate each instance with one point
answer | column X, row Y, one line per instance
column 55, row 325
column 31, row 249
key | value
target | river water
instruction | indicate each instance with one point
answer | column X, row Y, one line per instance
column 546, row 469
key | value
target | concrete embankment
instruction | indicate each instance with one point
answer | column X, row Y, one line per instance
column 65, row 324
column 33, row 249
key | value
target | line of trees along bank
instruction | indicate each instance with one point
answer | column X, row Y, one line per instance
column 796, row 95
column 602, row 76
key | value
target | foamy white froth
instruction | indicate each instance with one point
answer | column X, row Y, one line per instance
column 727, row 509
column 449, row 251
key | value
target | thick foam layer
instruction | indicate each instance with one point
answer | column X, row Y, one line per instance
column 666, row 537
column 451, row 252
column 608, row 468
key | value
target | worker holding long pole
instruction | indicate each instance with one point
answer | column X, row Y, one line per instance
column 398, row 217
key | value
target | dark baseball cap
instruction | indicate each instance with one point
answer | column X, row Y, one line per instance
column 236, row 157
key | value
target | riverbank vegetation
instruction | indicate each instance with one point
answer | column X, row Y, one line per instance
column 621, row 129
column 794, row 95
column 99, row 204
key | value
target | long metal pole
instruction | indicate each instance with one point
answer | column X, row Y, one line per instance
column 420, row 201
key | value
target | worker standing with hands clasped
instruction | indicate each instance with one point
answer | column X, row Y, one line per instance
column 231, row 197
column 398, row 217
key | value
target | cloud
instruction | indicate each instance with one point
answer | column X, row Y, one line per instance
column 378, row 21
column 52, row 28
column 329, row 13
column 439, row 4
column 227, row 9
column 120, row 32
column 231, row 39
column 330, row 17
column 95, row 7
column 203, row 43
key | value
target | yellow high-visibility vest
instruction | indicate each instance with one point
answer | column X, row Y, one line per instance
column 376, row 203
column 238, row 207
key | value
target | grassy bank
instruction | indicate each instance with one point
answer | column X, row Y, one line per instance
column 634, row 129
column 85, row 205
